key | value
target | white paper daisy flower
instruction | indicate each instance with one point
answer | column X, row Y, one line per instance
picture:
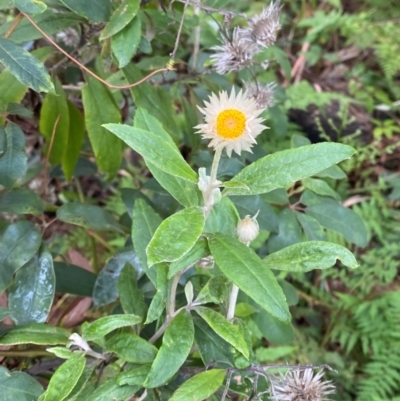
column 231, row 122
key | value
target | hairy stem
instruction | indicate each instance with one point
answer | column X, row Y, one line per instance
column 232, row 302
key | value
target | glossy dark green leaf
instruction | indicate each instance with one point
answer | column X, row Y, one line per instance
column 25, row 67
column 120, row 18
column 245, row 269
column 176, row 236
column 76, row 136
column 334, row 216
column 100, row 108
column 31, row 7
column 250, row 205
column 310, row 255
column 320, row 187
column 12, row 155
column 224, row 329
column 200, row 387
column 312, row 229
column 88, row 216
column 105, row 289
column 135, row 376
column 289, row 231
column 35, row 333
column 65, row 378
column 94, row 10
column 101, row 327
column 71, row 279
column 132, row 348
column 223, row 218
column 157, row 304
column 200, row 250
column 125, row 43
column 18, row 244
column 288, row 166
column 18, row 386
column 31, row 295
column 176, row 345
column 21, row 201
column 131, row 298
column 216, row 290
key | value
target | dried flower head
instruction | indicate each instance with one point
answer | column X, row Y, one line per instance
column 247, row 229
column 234, row 54
column 263, row 95
column 231, row 122
column 300, row 385
column 262, row 27
column 69, row 36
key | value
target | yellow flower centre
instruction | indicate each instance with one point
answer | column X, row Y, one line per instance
column 231, row 124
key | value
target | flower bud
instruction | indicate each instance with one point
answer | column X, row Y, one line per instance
column 247, row 229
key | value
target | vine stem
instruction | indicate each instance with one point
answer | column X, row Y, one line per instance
column 14, row 24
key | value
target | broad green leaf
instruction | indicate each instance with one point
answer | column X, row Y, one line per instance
column 200, row 387
column 289, row 231
column 121, row 17
column 132, row 348
column 31, row 295
column 154, row 99
column 297, row 141
column 158, row 302
column 320, row 187
column 223, row 218
column 144, row 224
column 216, row 290
column 25, row 67
column 278, row 196
column 334, row 172
column 310, row 198
column 131, row 298
column 310, row 255
column 18, row 244
column 83, row 380
column 101, row 327
column 35, row 333
column 76, row 136
column 94, row 10
column 54, row 123
column 274, row 330
column 4, row 312
column 100, row 108
column 312, row 229
column 89, row 216
column 65, row 378
column 110, row 390
column 12, row 158
column 200, row 250
column 31, row 7
column 105, row 289
column 250, row 205
column 176, row 236
column 272, row 354
column 18, row 386
column 135, row 376
column 125, row 43
column 243, row 310
column 71, row 279
column 334, row 216
column 154, row 150
column 290, row 292
column 224, row 329
column 12, row 91
column 21, row 201
column 245, row 269
column 288, row 166
column 176, row 345
column 61, row 352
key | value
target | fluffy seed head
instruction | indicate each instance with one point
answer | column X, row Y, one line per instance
column 263, row 95
column 247, row 229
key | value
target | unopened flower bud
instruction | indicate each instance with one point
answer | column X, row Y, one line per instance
column 247, row 229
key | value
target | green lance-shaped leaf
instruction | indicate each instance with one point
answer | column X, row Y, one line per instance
column 12, row 155
column 320, row 187
column 200, row 387
column 18, row 244
column 100, row 108
column 176, row 236
column 31, row 7
column 157, row 304
column 110, row 390
column 135, row 376
column 121, row 17
column 65, row 378
column 35, row 333
column 132, row 348
column 310, row 255
column 54, row 123
column 25, row 67
column 245, row 269
column 89, row 216
column 224, row 329
column 176, row 345
column 155, row 150
column 21, row 201
column 98, row 10
column 312, row 229
column 72, row 279
column 288, row 166
column 18, row 386
column 31, row 296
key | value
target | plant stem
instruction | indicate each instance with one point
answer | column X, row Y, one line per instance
column 172, row 294
column 215, row 164
column 232, row 302
column 207, row 194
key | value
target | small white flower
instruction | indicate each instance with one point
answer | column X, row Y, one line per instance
column 231, row 122
column 263, row 95
column 234, row 54
column 247, row 229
